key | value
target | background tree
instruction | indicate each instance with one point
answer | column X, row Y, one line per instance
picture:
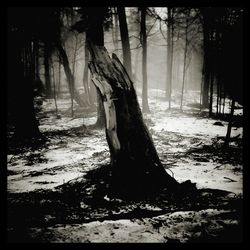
column 145, row 106
column 47, row 57
column 170, row 45
column 125, row 39
column 21, row 112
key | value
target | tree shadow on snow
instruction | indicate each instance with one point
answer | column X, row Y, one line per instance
column 86, row 199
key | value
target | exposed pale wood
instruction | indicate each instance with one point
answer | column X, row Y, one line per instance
column 109, row 107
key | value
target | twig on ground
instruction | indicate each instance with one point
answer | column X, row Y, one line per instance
column 229, row 179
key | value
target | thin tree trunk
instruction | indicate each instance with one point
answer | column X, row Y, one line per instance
column 211, row 95
column 47, row 70
column 207, row 63
column 224, row 102
column 69, row 76
column 74, row 57
column 37, row 66
column 115, row 29
column 202, row 83
column 171, row 58
column 59, row 78
column 145, row 106
column 217, row 98
column 229, row 127
column 136, row 59
column 184, row 65
column 33, row 61
column 168, row 54
column 73, row 72
column 54, row 86
column 89, row 99
column 125, row 39
column 220, row 99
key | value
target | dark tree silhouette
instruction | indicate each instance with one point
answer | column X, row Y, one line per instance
column 21, row 112
column 136, row 167
column 145, row 106
column 125, row 39
column 47, row 56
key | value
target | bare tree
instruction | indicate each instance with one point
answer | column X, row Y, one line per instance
column 125, row 39
column 145, row 106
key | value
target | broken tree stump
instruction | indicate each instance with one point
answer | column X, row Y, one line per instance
column 136, row 167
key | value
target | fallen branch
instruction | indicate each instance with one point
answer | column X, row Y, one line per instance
column 230, row 179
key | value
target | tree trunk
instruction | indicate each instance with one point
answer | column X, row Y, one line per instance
column 95, row 36
column 206, row 43
column 95, row 28
column 74, row 58
column 36, row 52
column 20, row 95
column 115, row 29
column 184, row 65
column 89, row 98
column 136, row 168
column 171, row 59
column 229, row 127
column 217, row 98
column 168, row 54
column 33, row 62
column 59, row 78
column 54, row 86
column 125, row 39
column 69, row 76
column 202, row 84
column 74, row 73
column 47, row 55
column 211, row 95
column 145, row 106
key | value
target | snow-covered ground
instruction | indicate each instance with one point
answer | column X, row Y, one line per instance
column 73, row 154
column 66, row 160
column 178, row 226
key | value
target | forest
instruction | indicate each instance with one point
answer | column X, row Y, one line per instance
column 125, row 124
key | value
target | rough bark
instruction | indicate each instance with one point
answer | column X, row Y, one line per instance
column 95, row 28
column 95, row 36
column 145, row 106
column 136, row 168
column 125, row 39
